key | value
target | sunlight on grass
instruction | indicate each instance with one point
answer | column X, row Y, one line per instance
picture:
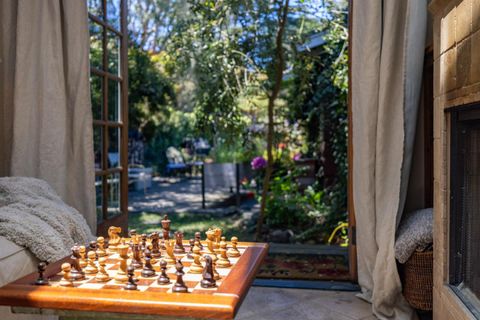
column 189, row 223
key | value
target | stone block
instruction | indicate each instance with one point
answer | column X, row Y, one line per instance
column 464, row 53
column 463, row 25
column 475, row 15
column 447, row 30
column 475, row 56
column 448, row 70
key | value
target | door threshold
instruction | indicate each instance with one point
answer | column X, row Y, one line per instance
column 307, row 284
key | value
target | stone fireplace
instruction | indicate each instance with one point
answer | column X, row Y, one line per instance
column 456, row 31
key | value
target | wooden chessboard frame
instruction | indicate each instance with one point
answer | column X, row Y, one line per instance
column 223, row 305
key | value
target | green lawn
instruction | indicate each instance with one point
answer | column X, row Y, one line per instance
column 189, row 223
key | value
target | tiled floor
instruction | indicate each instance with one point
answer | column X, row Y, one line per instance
column 284, row 304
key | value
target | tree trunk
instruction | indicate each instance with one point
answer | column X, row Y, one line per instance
column 279, row 66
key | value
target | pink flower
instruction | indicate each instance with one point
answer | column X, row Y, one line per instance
column 258, row 163
column 297, row 156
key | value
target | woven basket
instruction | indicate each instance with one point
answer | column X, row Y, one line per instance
column 418, row 280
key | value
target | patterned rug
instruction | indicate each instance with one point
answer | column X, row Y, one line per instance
column 304, row 267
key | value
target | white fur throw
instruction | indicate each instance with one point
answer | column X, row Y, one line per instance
column 32, row 215
column 414, row 233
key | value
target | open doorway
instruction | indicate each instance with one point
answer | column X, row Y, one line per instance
column 220, row 95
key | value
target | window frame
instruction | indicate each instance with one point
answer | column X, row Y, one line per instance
column 121, row 123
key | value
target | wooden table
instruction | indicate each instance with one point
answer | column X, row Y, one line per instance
column 76, row 303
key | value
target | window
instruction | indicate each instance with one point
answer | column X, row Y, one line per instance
column 108, row 83
column 465, row 206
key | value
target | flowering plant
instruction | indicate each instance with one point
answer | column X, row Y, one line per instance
column 258, row 163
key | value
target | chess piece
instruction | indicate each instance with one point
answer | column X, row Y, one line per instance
column 190, row 251
column 148, row 271
column 179, row 249
column 223, row 261
column 155, row 238
column 208, row 278
column 163, row 278
column 41, row 280
column 67, row 276
column 170, row 258
column 92, row 246
column 114, row 238
column 196, row 266
column 91, row 267
column 132, row 233
column 101, row 247
column 143, row 237
column 76, row 272
column 131, row 282
column 233, row 251
column 210, row 248
column 179, row 285
column 83, row 253
column 102, row 275
column 137, row 259
column 198, row 238
column 121, row 276
column 166, row 226
column 216, row 275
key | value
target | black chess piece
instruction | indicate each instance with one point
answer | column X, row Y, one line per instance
column 155, row 237
column 144, row 242
column 190, row 252
column 208, row 280
column 77, row 272
column 179, row 285
column 198, row 238
column 163, row 278
column 132, row 282
column 41, row 280
column 136, row 259
column 179, row 249
column 148, row 271
column 132, row 233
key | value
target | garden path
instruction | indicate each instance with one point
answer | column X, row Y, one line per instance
column 173, row 195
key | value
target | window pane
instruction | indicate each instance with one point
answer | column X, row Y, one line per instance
column 113, row 183
column 96, row 90
column 96, row 49
column 113, row 147
column 95, row 7
column 113, row 101
column 99, row 198
column 113, row 13
column 97, row 146
column 113, row 45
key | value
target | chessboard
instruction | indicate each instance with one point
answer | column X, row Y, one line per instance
column 148, row 297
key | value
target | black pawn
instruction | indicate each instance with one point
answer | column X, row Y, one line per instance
column 41, row 280
column 148, row 271
column 198, row 238
column 179, row 285
column 163, row 278
column 190, row 252
column 208, row 280
column 132, row 283
column 137, row 259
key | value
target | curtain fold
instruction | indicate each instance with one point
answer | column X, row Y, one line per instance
column 388, row 41
column 45, row 111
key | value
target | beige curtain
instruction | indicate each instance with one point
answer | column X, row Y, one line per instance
column 45, row 113
column 388, row 41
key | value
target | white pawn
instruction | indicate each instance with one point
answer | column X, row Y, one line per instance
column 91, row 267
column 67, row 279
column 101, row 247
column 102, row 275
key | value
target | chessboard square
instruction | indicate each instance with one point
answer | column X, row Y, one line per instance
column 193, row 277
column 223, row 271
column 142, row 288
column 191, row 284
column 155, row 284
column 145, row 281
column 113, row 267
column 173, row 270
column 158, row 289
column 92, row 285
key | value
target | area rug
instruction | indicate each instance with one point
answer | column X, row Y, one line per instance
column 304, row 267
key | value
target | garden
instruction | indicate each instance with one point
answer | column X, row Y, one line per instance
column 264, row 84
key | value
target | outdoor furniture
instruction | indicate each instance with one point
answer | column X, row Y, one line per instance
column 140, row 178
column 176, row 163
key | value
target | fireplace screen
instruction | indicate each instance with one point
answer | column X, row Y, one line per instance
column 465, row 205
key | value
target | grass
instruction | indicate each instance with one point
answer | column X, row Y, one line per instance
column 189, row 223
